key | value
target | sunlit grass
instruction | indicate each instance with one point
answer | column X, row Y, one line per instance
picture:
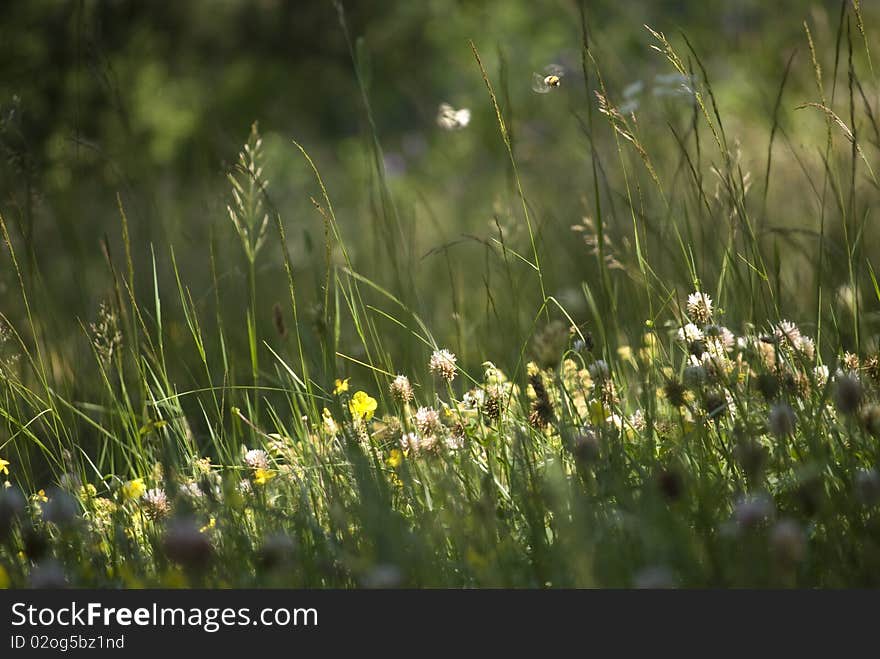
column 683, row 427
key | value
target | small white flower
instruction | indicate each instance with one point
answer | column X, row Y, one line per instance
column 787, row 331
column 442, row 363
column 454, row 443
column 417, row 444
column 256, row 458
column 428, row 421
column 723, row 336
column 155, row 504
column 474, row 398
column 807, row 347
column 699, row 307
column 690, row 333
column 401, row 389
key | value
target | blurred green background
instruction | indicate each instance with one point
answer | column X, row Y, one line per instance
column 152, row 101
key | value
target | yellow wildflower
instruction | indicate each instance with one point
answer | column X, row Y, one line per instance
column 41, row 496
column 263, row 476
column 395, row 458
column 340, row 386
column 362, row 405
column 133, row 489
column 212, row 522
column 4, row 466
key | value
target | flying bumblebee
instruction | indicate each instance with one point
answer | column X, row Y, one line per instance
column 543, row 83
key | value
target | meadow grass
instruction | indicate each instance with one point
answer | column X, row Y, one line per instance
column 692, row 429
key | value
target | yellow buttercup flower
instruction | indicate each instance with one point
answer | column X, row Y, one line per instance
column 4, row 466
column 395, row 458
column 263, row 476
column 340, row 386
column 133, row 489
column 362, row 405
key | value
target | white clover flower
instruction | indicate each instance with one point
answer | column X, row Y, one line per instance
column 442, row 363
column 401, row 389
column 155, row 504
column 474, row 398
column 690, row 333
column 807, row 347
column 428, row 421
column 699, row 307
column 787, row 331
column 727, row 338
column 256, row 458
column 415, row 443
column 454, row 443
column 720, row 334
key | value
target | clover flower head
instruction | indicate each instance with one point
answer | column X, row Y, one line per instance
column 787, row 332
column 402, row 389
column 699, row 307
column 155, row 504
column 442, row 363
column 256, row 458
column 428, row 421
column 415, row 443
column 690, row 333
